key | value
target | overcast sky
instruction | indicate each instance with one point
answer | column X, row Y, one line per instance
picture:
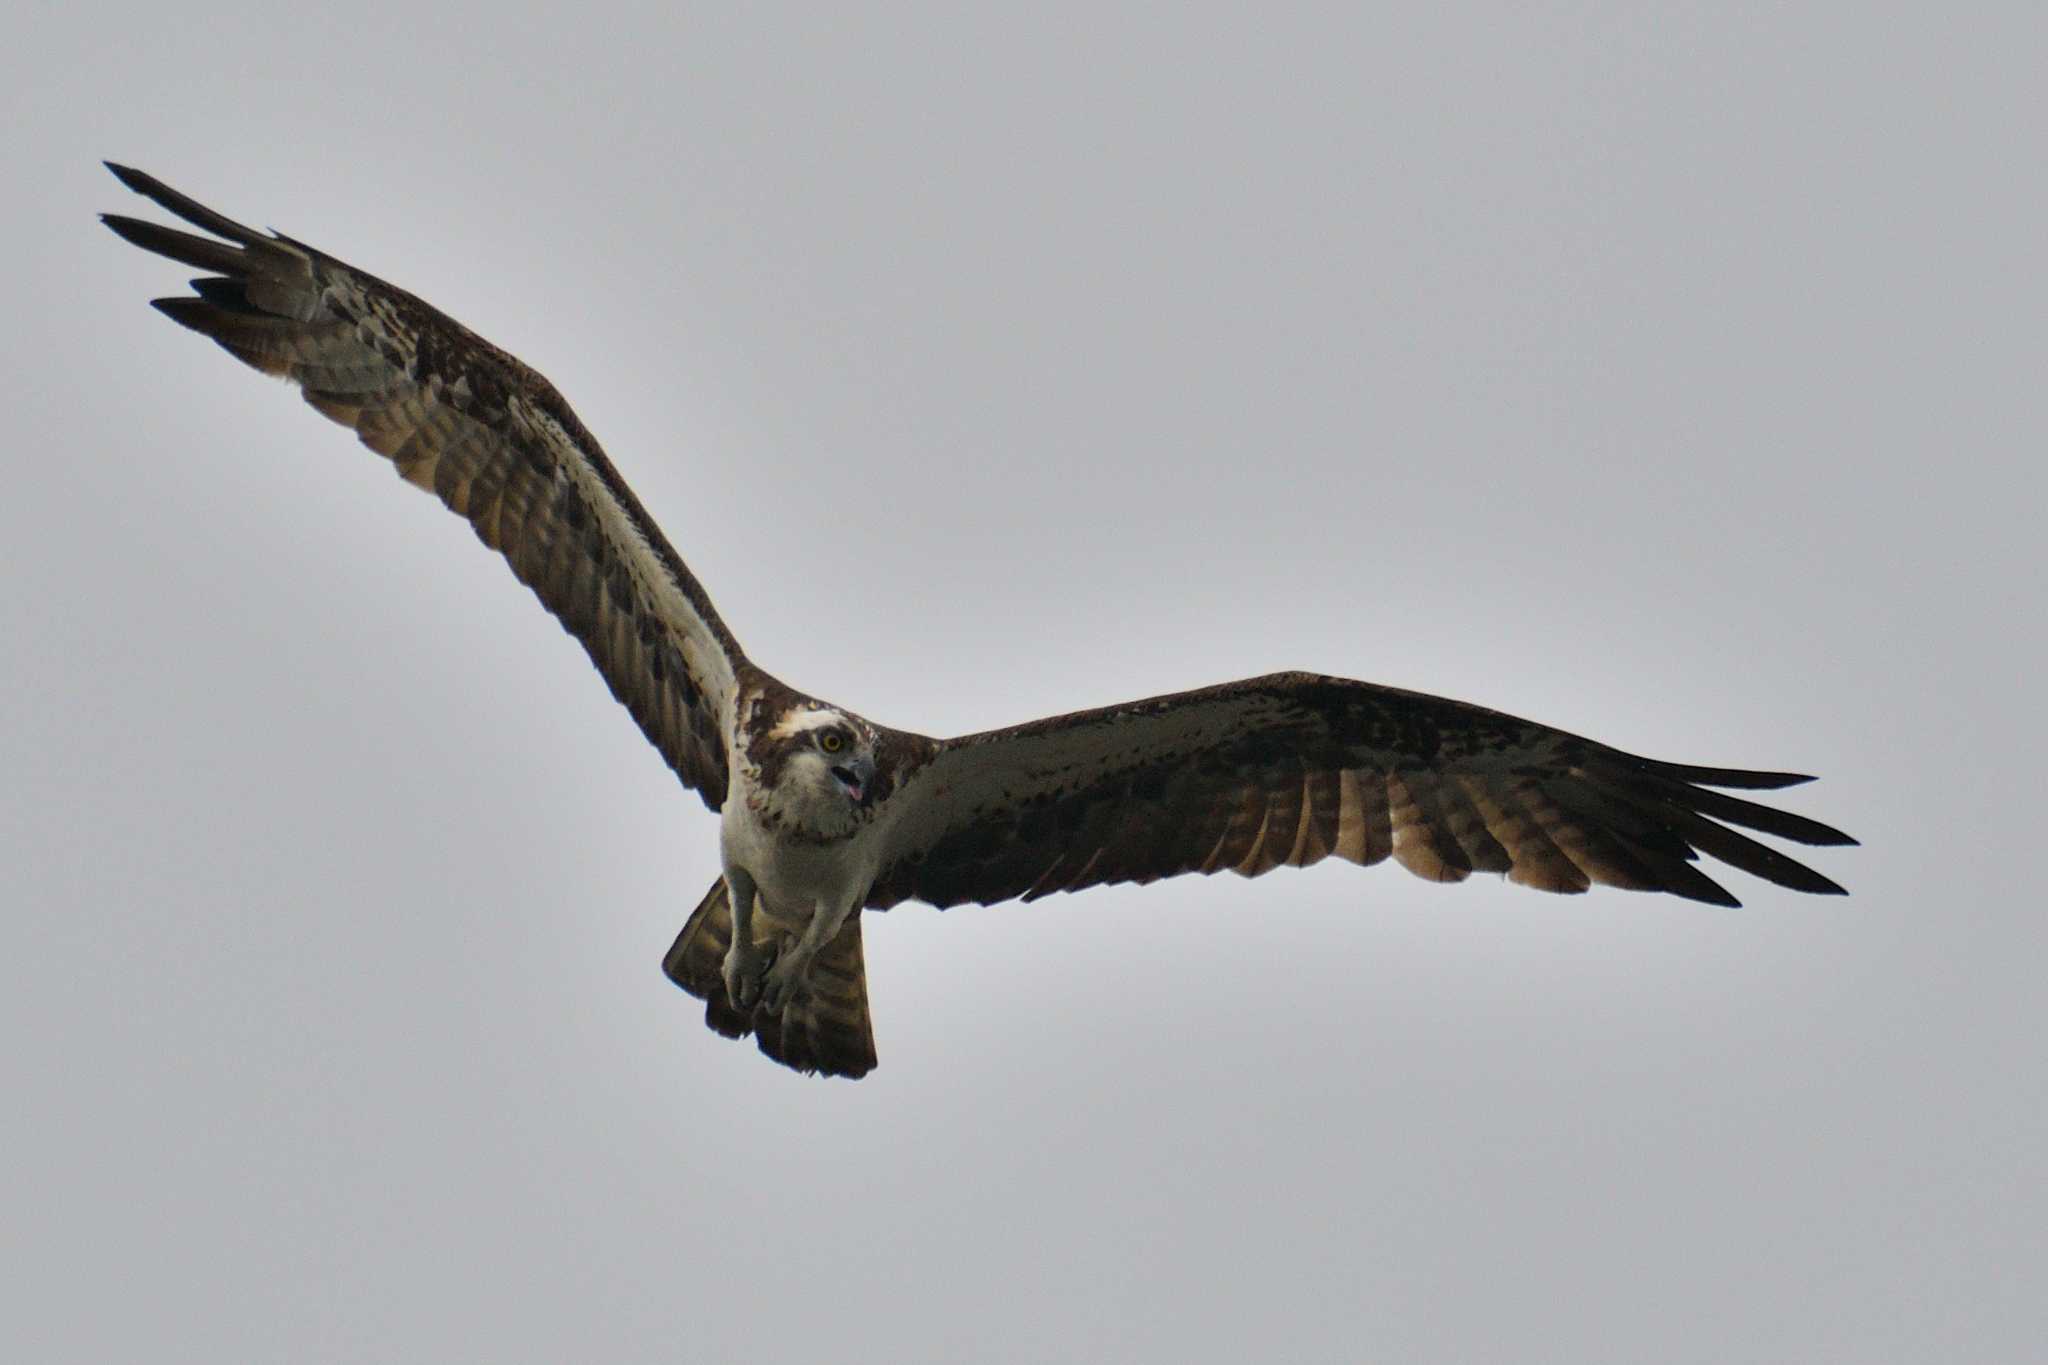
column 1668, row 373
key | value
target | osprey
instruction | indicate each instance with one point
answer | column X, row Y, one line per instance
column 824, row 814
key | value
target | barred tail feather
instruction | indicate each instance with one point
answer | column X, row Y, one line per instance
column 828, row 1033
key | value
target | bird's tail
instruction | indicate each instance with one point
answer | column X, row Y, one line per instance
column 827, row 1032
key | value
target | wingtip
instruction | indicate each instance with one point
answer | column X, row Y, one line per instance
column 128, row 175
column 1695, row 885
column 183, row 205
column 187, row 311
column 131, row 230
column 1756, row 781
column 1815, row 884
column 1814, row 834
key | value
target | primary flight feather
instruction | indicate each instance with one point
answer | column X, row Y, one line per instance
column 823, row 813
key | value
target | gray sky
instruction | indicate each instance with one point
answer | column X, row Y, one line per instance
column 1668, row 373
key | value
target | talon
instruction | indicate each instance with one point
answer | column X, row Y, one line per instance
column 784, row 984
column 745, row 970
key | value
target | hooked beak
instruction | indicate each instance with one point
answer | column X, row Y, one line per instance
column 858, row 777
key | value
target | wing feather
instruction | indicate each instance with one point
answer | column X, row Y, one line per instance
column 1293, row 768
column 1422, row 836
column 489, row 437
column 1321, row 807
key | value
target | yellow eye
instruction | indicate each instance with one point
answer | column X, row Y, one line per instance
column 831, row 742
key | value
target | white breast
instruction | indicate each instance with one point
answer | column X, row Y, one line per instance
column 797, row 877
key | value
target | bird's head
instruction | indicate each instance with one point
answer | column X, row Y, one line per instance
column 818, row 769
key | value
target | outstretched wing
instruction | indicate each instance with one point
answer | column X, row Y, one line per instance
column 1294, row 768
column 491, row 438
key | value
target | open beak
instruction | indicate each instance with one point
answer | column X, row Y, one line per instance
column 858, row 777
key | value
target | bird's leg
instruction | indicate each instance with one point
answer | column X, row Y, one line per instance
column 745, row 965
column 789, row 977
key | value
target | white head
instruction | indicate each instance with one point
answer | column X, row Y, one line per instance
column 817, row 770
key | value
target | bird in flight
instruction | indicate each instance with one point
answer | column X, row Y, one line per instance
column 823, row 813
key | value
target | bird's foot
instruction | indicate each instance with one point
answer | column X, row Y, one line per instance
column 745, row 970
column 787, row 982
